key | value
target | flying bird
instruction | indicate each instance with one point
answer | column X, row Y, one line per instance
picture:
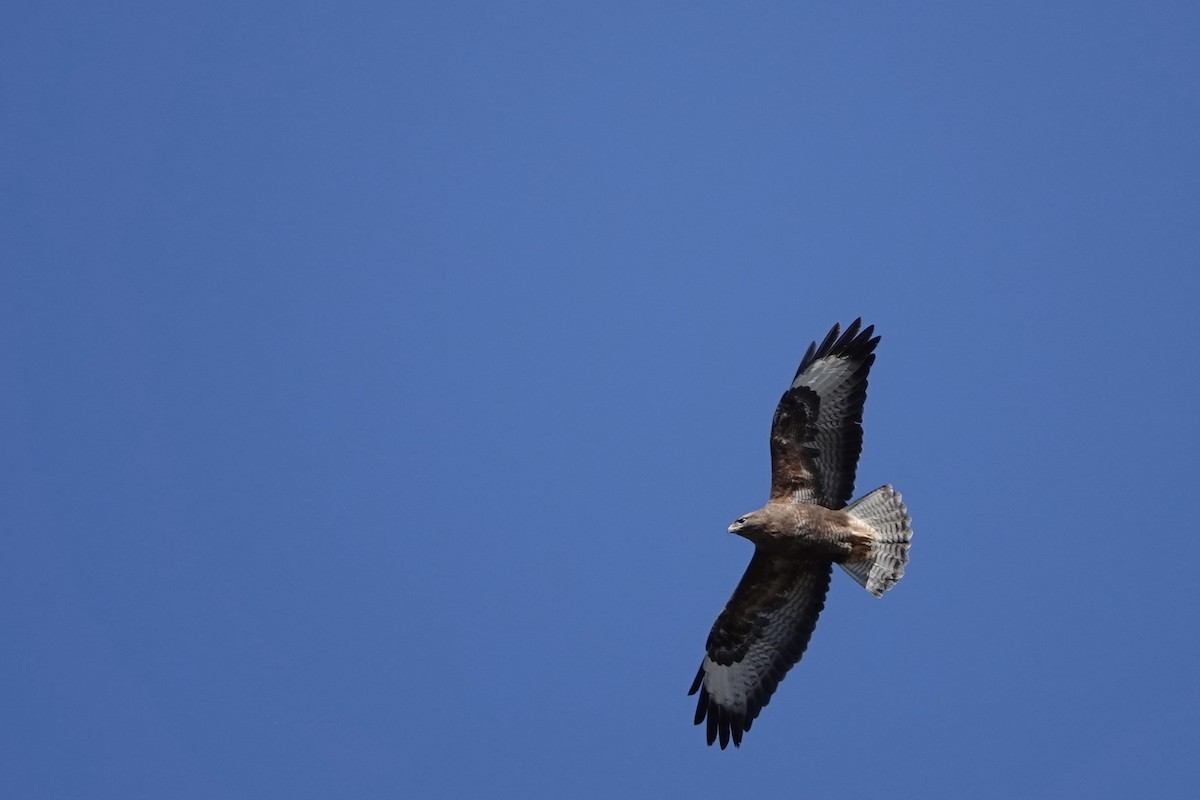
column 803, row 530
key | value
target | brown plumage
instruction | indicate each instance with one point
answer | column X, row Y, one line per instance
column 805, row 528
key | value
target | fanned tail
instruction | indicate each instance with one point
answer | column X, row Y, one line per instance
column 882, row 509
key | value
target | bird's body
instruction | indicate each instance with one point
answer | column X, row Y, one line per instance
column 803, row 530
column 806, row 530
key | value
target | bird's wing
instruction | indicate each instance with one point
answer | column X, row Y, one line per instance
column 816, row 434
column 760, row 635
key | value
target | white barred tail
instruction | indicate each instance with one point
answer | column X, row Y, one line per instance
column 882, row 509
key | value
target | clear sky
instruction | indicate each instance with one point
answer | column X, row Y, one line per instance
column 380, row 380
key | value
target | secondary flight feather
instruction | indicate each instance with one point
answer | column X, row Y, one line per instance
column 803, row 530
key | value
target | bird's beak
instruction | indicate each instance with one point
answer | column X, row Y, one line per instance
column 733, row 528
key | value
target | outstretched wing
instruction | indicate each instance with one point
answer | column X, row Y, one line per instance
column 816, row 435
column 760, row 635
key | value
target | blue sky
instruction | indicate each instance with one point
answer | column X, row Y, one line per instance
column 382, row 378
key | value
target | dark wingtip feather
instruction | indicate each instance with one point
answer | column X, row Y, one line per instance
column 852, row 342
column 723, row 725
column 699, row 680
column 830, row 338
column 804, row 362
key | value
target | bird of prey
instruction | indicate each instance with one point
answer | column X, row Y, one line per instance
column 803, row 530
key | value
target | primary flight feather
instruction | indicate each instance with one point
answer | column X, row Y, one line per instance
column 803, row 530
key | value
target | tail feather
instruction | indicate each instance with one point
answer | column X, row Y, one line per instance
column 882, row 509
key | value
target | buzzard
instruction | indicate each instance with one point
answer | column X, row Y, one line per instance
column 803, row 530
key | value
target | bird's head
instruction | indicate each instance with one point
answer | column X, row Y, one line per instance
column 753, row 526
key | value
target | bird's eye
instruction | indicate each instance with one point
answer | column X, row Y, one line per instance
column 740, row 521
